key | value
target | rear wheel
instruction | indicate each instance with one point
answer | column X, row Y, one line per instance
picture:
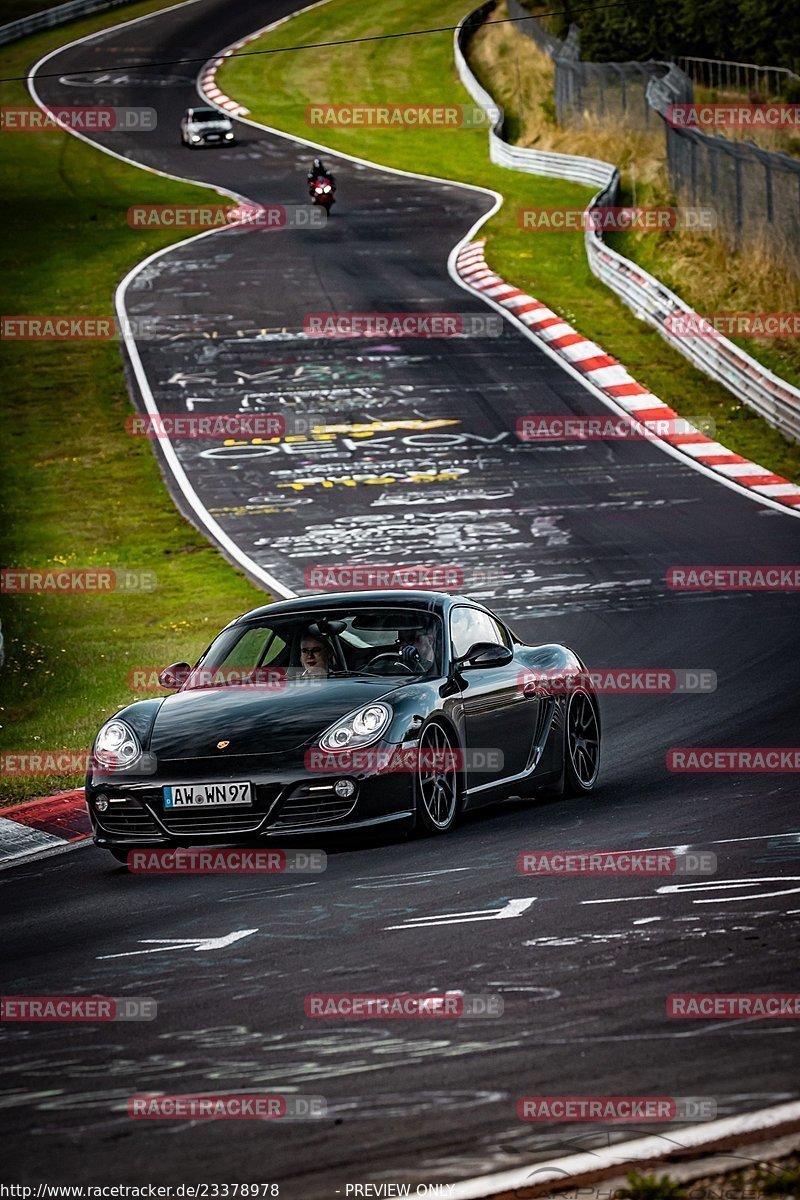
column 436, row 780
column 581, row 745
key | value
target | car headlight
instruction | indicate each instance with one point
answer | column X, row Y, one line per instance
column 229, row 134
column 196, row 137
column 116, row 745
column 361, row 728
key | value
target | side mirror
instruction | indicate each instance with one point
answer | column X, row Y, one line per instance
column 175, row 676
column 485, row 654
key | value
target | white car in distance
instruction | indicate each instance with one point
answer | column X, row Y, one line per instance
column 206, row 126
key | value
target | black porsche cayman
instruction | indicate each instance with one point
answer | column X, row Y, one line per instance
column 338, row 713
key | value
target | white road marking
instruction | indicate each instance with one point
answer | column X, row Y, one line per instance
column 162, row 944
column 407, row 879
column 513, row 908
column 708, row 886
column 713, row 885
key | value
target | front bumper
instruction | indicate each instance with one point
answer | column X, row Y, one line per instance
column 213, row 137
column 283, row 805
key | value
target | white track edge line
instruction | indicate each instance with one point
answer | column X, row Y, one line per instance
column 559, row 1170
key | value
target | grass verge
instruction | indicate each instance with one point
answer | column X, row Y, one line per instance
column 278, row 89
column 76, row 490
column 778, row 1178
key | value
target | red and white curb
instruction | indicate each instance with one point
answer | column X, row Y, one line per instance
column 611, row 378
column 47, row 824
column 207, row 83
column 593, row 1165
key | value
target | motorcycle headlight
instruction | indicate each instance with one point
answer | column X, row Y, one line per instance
column 361, row 728
column 116, row 745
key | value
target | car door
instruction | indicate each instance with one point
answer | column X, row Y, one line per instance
column 497, row 714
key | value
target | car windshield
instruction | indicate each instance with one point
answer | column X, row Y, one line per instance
column 318, row 645
column 206, row 114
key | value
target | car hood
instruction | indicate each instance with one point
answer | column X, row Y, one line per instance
column 256, row 720
column 215, row 125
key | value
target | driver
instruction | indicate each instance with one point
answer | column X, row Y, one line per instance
column 417, row 648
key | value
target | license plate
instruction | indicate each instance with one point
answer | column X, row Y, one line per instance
column 207, row 795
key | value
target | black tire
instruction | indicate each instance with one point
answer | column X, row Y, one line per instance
column 581, row 744
column 436, row 792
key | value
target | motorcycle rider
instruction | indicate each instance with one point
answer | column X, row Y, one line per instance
column 320, row 171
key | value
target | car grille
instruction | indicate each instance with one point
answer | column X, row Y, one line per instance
column 139, row 816
column 312, row 804
column 127, row 817
column 231, row 819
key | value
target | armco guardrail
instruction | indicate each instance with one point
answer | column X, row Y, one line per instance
column 50, row 17
column 591, row 171
column 777, row 401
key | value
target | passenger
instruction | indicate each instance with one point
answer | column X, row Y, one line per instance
column 316, row 657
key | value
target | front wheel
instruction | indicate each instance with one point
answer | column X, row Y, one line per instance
column 581, row 745
column 436, row 783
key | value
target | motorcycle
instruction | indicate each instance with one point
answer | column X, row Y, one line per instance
column 322, row 191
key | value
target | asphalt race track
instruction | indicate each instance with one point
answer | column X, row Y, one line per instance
column 574, row 540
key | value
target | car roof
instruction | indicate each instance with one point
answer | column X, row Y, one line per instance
column 439, row 602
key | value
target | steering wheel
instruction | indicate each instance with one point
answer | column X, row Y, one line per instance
column 389, row 660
